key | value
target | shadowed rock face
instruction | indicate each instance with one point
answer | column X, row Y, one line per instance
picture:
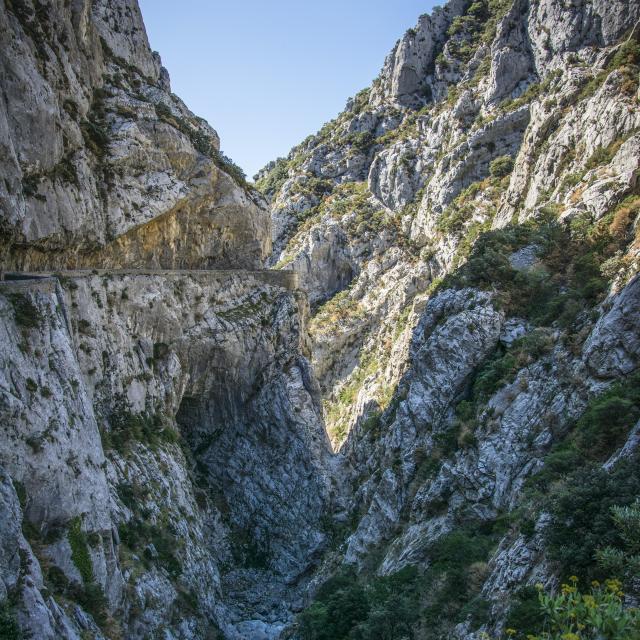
column 216, row 357
column 102, row 164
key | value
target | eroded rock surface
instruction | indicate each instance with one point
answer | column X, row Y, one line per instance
column 466, row 233
column 94, row 395
column 103, row 165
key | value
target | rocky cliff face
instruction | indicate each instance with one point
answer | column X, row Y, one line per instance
column 102, row 164
column 483, row 115
column 165, row 470
column 100, row 376
column 466, row 233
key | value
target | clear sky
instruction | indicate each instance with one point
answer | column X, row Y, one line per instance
column 267, row 73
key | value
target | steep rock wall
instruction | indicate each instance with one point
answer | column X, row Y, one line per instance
column 103, row 165
column 497, row 150
column 164, row 435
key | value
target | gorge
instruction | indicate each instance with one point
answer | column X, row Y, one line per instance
column 379, row 393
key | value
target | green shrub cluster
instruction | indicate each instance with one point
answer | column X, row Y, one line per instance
column 407, row 605
column 227, row 165
column 345, row 608
column 461, row 211
column 582, row 520
column 137, row 535
column 525, row 612
column 578, row 493
column 25, row 312
column 503, row 365
column 606, row 423
column 9, row 629
column 624, row 562
column 80, row 550
column 271, row 182
column 600, row 157
column 127, row 428
column 477, row 25
column 455, row 216
column 361, row 141
column 501, row 167
column 95, row 135
column 455, row 577
column 313, row 186
column 567, row 280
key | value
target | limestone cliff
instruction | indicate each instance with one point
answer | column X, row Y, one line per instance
column 163, row 448
column 165, row 470
column 467, row 230
column 102, row 164
column 454, row 295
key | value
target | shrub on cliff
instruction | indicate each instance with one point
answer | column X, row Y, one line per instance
column 9, row 629
column 501, row 166
column 385, row 608
column 598, row 615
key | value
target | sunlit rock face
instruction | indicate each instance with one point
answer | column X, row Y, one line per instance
column 102, row 164
column 416, row 219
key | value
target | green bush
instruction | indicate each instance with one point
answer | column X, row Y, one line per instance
column 624, row 562
column 137, row 534
column 95, row 135
column 476, row 26
column 581, row 516
column 578, row 493
column 88, row 595
column 566, row 281
column 230, row 167
column 452, row 594
column 341, row 603
column 495, row 373
column 406, row 605
column 80, row 550
column 501, row 368
column 525, row 612
column 271, row 182
column 127, row 428
column 160, row 350
column 609, row 418
column 605, row 426
column 600, row 431
column 26, row 313
column 501, row 167
column 382, row 608
column 362, row 141
column 92, row 599
column 9, row 629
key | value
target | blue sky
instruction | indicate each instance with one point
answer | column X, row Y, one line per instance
column 267, row 74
